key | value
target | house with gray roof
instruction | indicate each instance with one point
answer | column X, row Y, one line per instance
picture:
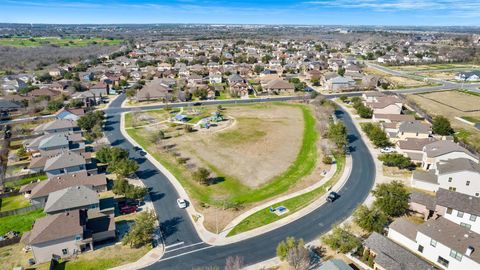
column 71, row 198
column 54, row 143
column 389, row 255
column 444, row 150
column 459, row 174
column 447, row 244
column 413, row 147
column 38, row 192
column 65, row 163
column 334, row 264
column 459, row 208
column 67, row 234
column 56, row 126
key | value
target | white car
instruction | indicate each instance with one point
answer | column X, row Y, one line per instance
column 388, row 150
column 182, row 203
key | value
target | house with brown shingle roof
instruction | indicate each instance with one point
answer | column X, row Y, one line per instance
column 154, row 90
column 279, row 86
column 66, row 234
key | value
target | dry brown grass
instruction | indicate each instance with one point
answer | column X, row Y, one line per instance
column 397, row 81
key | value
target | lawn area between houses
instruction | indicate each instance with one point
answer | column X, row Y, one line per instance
column 234, row 190
column 25, row 180
column 21, row 222
column 264, row 216
column 13, row 202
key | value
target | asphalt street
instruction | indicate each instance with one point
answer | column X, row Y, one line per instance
column 184, row 248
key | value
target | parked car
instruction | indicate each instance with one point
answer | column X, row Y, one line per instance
column 128, row 209
column 388, row 150
column 197, row 104
column 182, row 203
column 332, row 196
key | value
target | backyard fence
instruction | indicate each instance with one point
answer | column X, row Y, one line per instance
column 20, row 210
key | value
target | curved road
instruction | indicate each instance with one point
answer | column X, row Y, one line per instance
column 185, row 250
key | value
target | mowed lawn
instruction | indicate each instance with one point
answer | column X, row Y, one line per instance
column 21, row 222
column 42, row 41
column 233, row 190
column 13, row 202
column 264, row 216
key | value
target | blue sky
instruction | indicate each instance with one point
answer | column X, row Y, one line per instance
column 345, row 12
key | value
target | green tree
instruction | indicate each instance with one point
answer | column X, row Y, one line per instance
column 391, row 198
column 123, row 167
column 89, row 120
column 341, row 240
column 441, row 126
column 108, row 154
column 343, row 98
column 396, row 160
column 54, row 105
column 378, row 137
column 286, row 245
column 371, row 220
column 141, row 232
column 341, row 71
column 337, row 132
column 201, row 175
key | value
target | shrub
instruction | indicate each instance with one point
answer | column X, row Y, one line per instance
column 396, row 160
column 327, row 160
column 376, row 135
column 391, row 198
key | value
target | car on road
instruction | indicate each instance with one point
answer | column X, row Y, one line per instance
column 332, row 196
column 128, row 209
column 142, row 153
column 197, row 104
column 182, row 203
column 388, row 150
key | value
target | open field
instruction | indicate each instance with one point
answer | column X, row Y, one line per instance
column 444, row 75
column 414, row 68
column 397, row 82
column 13, row 202
column 451, row 104
column 20, row 222
column 264, row 216
column 248, row 156
column 42, row 41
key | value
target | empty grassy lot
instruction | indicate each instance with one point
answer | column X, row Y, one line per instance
column 42, row 41
column 264, row 216
column 250, row 161
column 397, row 82
column 453, row 104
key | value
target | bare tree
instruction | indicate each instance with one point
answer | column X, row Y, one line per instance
column 298, row 258
column 234, row 263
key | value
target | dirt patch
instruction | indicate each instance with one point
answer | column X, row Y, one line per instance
column 452, row 104
column 397, row 81
column 262, row 144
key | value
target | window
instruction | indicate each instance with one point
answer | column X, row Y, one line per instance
column 449, row 179
column 449, row 210
column 420, row 248
column 460, row 214
column 457, row 255
column 468, row 183
column 452, row 188
column 468, row 226
column 442, row 261
column 433, row 243
column 78, row 237
column 477, row 194
column 65, row 251
column 473, row 217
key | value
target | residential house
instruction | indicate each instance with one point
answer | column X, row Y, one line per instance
column 412, row 129
column 70, row 114
column 56, row 126
column 153, row 90
column 340, row 83
column 385, row 105
column 65, row 235
column 443, row 150
column 12, row 84
column 71, row 198
column 459, row 174
column 413, row 147
column 334, row 264
column 468, row 76
column 67, row 162
column 279, row 86
column 447, row 244
column 235, row 78
column 389, row 255
column 462, row 209
column 54, row 143
column 38, row 192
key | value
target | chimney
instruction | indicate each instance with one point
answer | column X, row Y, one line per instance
column 469, row 251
